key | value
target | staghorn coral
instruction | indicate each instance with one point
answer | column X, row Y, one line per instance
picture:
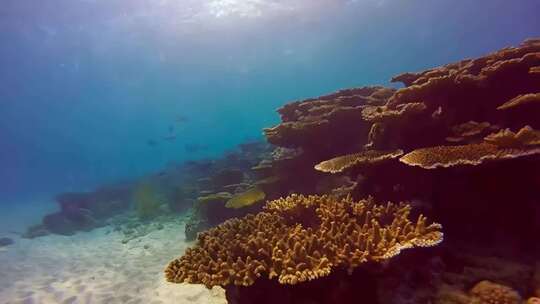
column 341, row 163
column 247, row 198
column 520, row 100
column 301, row 238
column 486, row 292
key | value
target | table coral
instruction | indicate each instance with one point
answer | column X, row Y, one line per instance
column 341, row 163
column 315, row 121
column 504, row 144
column 520, row 100
column 301, row 238
column 473, row 154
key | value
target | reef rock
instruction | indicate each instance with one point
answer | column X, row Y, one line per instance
column 5, row 241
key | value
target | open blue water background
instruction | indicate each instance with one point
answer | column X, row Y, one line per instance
column 84, row 84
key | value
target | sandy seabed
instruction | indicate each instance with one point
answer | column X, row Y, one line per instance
column 95, row 267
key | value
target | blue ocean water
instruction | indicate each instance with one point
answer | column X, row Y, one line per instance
column 90, row 89
column 124, row 96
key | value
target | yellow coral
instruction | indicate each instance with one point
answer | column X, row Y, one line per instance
column 245, row 199
column 301, row 238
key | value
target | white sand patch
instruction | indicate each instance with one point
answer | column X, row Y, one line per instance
column 95, row 267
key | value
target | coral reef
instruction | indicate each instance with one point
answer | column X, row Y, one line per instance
column 468, row 132
column 313, row 123
column 83, row 211
column 301, row 238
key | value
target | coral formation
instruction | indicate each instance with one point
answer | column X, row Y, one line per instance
column 340, row 163
column 384, row 113
column 520, row 100
column 301, row 238
column 486, row 292
column 497, row 146
column 473, row 154
column 483, row 188
column 440, row 119
column 526, row 136
column 467, row 130
column 247, row 198
column 312, row 124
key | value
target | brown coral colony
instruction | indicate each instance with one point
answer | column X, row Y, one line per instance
column 301, row 238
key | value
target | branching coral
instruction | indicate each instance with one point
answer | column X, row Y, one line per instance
column 341, row 163
column 301, row 238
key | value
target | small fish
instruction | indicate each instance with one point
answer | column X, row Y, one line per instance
column 171, row 137
column 181, row 119
column 151, row 143
column 171, row 129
